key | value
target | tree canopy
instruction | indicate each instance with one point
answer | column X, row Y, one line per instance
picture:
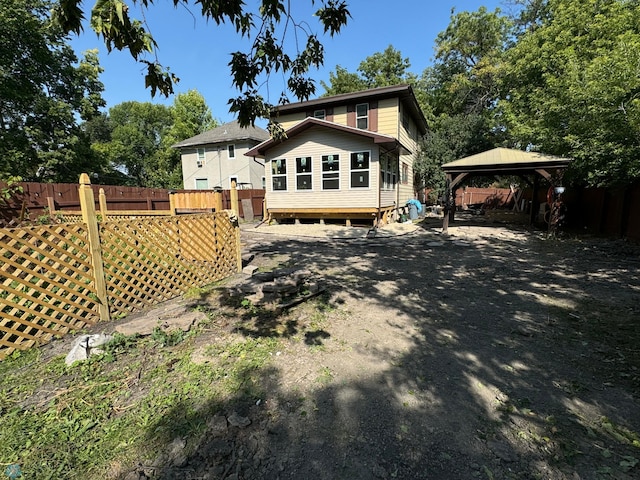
column 44, row 90
column 572, row 87
column 267, row 28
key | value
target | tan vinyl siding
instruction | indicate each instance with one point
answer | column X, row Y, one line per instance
column 388, row 117
column 315, row 143
column 340, row 115
column 387, row 198
column 288, row 121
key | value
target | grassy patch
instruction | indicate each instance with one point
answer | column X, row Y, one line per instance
column 120, row 407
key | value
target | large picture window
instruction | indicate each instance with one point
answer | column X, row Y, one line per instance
column 279, row 174
column 362, row 116
column 331, row 172
column 303, row 173
column 360, row 170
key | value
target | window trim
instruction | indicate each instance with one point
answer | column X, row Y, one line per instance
column 231, row 151
column 330, row 175
column 356, row 170
column 404, row 173
column 320, row 114
column 362, row 117
column 304, row 174
column 275, row 176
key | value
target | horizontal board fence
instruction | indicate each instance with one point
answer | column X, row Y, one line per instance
column 62, row 277
column 32, row 201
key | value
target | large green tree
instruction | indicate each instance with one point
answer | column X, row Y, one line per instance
column 468, row 57
column 137, row 130
column 381, row 69
column 268, row 27
column 44, row 90
column 572, row 87
column 136, row 139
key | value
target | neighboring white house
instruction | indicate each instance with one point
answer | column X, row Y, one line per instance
column 216, row 157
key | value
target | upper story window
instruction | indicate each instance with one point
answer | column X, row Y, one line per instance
column 279, row 174
column 362, row 116
column 331, row 172
column 231, row 150
column 360, row 170
column 321, row 114
column 200, row 161
column 303, row 173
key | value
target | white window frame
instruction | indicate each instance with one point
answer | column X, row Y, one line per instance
column 200, row 157
column 362, row 121
column 278, row 176
column 356, row 171
column 231, row 151
column 231, row 179
column 330, row 175
column 307, row 173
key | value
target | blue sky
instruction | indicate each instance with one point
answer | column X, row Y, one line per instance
column 198, row 52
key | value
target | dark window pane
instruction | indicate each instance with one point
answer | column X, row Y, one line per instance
column 280, row 183
column 303, row 182
column 360, row 161
column 359, row 179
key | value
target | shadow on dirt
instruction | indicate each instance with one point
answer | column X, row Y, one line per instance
column 520, row 361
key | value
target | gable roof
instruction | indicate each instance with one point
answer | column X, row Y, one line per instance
column 309, row 122
column 404, row 92
column 505, row 159
column 229, row 132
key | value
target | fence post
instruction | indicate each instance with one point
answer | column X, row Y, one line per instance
column 88, row 206
column 172, row 202
column 234, row 198
column 102, row 199
column 218, row 200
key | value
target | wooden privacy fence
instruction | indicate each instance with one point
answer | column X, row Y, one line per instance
column 62, row 277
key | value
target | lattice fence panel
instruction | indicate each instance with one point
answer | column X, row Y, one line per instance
column 47, row 284
column 150, row 260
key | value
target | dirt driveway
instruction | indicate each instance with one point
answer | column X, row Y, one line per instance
column 491, row 353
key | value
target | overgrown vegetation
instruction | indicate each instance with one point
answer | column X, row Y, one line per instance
column 125, row 405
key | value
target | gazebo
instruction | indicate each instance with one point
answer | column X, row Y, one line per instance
column 502, row 161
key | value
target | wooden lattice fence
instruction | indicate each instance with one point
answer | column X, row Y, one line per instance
column 62, row 277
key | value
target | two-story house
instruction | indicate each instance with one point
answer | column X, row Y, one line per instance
column 216, row 157
column 346, row 156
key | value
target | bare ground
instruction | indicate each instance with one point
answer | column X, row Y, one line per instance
column 491, row 353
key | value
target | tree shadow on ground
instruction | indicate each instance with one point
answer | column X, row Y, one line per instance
column 489, row 364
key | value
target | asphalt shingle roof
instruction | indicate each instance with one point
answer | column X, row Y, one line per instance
column 229, row 132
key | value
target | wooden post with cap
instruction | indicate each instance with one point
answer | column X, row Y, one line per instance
column 88, row 206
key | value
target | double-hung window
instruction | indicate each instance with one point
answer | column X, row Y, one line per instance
column 279, row 174
column 303, row 173
column 200, row 161
column 331, row 172
column 362, row 116
column 231, row 151
column 360, row 170
column 405, row 173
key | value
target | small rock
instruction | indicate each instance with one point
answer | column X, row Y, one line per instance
column 249, row 270
column 238, row 421
column 217, row 425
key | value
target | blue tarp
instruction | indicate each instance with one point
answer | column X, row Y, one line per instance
column 415, row 202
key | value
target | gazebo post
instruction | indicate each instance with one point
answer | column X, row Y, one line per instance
column 447, row 205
